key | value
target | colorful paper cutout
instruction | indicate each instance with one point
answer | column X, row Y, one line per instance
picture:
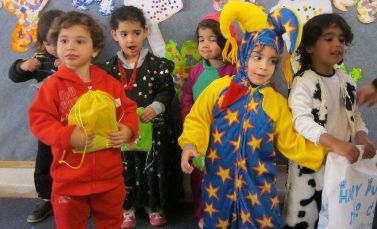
column 25, row 31
column 184, row 59
column 104, row 7
column 366, row 9
column 355, row 73
column 156, row 11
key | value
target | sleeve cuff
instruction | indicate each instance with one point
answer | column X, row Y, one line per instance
column 158, row 107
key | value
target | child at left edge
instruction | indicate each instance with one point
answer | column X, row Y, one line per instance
column 97, row 187
column 241, row 119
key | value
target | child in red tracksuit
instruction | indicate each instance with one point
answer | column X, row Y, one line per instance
column 96, row 186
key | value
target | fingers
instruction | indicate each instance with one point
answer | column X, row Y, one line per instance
column 185, row 165
column 353, row 155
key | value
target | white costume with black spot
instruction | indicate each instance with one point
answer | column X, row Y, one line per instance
column 320, row 104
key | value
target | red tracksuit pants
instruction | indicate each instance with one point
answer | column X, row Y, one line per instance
column 74, row 211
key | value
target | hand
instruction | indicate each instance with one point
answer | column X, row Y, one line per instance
column 117, row 139
column 369, row 148
column 148, row 114
column 346, row 149
column 185, row 160
column 80, row 139
column 367, row 95
column 30, row 65
column 58, row 63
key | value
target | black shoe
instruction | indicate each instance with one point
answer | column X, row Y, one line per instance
column 40, row 212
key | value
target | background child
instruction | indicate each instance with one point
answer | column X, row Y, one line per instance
column 147, row 80
column 241, row 119
column 322, row 101
column 96, row 187
column 210, row 45
column 39, row 67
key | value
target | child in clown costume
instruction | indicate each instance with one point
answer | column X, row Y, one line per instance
column 241, row 119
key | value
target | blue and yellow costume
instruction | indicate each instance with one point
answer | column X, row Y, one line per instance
column 238, row 125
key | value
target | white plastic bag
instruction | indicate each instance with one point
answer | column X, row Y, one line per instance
column 349, row 193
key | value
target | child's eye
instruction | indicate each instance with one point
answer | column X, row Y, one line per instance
column 256, row 57
column 201, row 40
column 80, row 42
column 274, row 61
column 63, row 41
column 137, row 33
column 123, row 34
column 213, row 40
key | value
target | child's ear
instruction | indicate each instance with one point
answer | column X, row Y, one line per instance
column 309, row 49
column 95, row 53
column 114, row 34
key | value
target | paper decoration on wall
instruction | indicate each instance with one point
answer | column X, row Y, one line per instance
column 184, row 59
column 305, row 10
column 366, row 9
column 156, row 11
column 218, row 4
column 25, row 31
column 104, row 7
column 355, row 73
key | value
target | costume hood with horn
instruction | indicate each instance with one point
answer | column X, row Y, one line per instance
column 238, row 126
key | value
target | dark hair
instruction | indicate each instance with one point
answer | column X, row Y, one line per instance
column 215, row 27
column 313, row 29
column 44, row 23
column 73, row 18
column 127, row 13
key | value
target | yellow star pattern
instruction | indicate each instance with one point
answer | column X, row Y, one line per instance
column 239, row 182
column 265, row 222
column 236, row 144
column 217, row 136
column 213, row 155
column 260, row 169
column 253, row 199
column 255, row 143
column 212, row 192
column 266, row 187
column 231, row 117
column 270, row 137
column 289, row 27
column 252, row 106
column 210, row 209
column 223, row 224
column 245, row 217
column 224, row 174
column 241, row 164
column 274, row 202
column 247, row 125
column 232, row 197
column 276, row 15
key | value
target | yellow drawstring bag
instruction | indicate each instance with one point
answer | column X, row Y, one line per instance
column 94, row 111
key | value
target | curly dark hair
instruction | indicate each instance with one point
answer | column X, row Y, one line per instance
column 313, row 29
column 73, row 18
column 127, row 13
column 215, row 27
column 45, row 21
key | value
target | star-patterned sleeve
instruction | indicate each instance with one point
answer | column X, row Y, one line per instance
column 197, row 124
column 290, row 143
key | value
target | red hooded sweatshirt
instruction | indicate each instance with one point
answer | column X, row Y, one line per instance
column 48, row 117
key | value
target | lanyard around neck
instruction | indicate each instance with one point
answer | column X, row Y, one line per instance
column 123, row 77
